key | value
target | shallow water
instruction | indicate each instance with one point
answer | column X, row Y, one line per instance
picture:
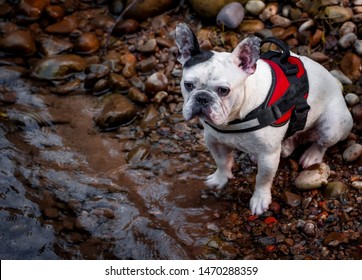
column 70, row 191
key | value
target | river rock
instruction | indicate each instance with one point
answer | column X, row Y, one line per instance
column 209, row 8
column 333, row 239
column 357, row 185
column 138, row 153
column 351, row 99
column 142, row 10
column 136, row 95
column 126, row 26
column 357, row 114
column 119, row 82
column 58, row 67
column 313, row 177
column 351, row 66
column 346, row 28
column 149, row 46
column 65, row 26
column 357, row 45
column 117, row 110
column 347, row 40
column 55, row 11
column 105, row 22
column 291, row 199
column 255, row 7
column 251, row 26
column 52, row 45
column 353, row 152
column 231, row 15
column 337, row 14
column 270, row 10
column 33, row 8
column 340, row 76
column 155, row 83
column 309, row 228
column 87, row 43
column 280, row 21
column 334, row 189
column 18, row 42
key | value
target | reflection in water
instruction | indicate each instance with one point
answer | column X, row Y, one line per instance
column 67, row 192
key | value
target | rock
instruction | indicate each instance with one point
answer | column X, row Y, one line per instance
column 119, row 82
column 267, row 240
column 310, row 229
column 351, row 99
column 306, row 25
column 357, row 185
column 105, row 22
column 357, row 45
column 69, row 87
column 357, row 113
column 313, row 177
column 142, row 10
column 280, row 21
column 149, row 46
column 251, row 26
column 351, row 66
column 353, row 152
column 347, row 40
column 255, row 7
column 291, row 199
column 231, row 15
column 270, row 10
column 337, row 14
column 65, row 26
column 209, row 8
column 126, row 26
column 117, row 111
column 33, row 8
column 99, row 70
column 18, row 42
column 87, row 43
column 346, row 28
column 147, row 65
column 138, row 153
column 156, row 82
column 340, row 76
column 319, row 57
column 55, row 11
column 58, row 67
column 136, row 95
column 52, row 45
column 160, row 96
column 334, row 189
column 333, row 239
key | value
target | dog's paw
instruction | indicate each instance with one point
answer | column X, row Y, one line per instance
column 217, row 180
column 260, row 202
column 314, row 154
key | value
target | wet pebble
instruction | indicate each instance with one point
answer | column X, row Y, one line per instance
column 231, row 15
column 334, row 189
column 353, row 152
column 255, row 7
column 251, row 26
column 126, row 26
column 313, row 177
column 270, row 10
column 150, row 117
column 138, row 153
column 352, row 99
column 51, row 45
column 119, row 82
column 33, row 9
column 58, row 67
column 310, row 229
column 87, row 43
column 347, row 40
column 347, row 28
column 291, row 199
column 136, row 95
column 357, row 45
column 337, row 14
column 18, row 41
column 278, row 20
column 160, row 96
column 117, row 110
column 340, row 76
column 142, row 10
column 267, row 240
column 155, row 83
column 357, row 114
column 65, row 26
column 351, row 66
column 55, row 11
column 147, row 65
column 333, row 239
column 149, row 46
column 357, row 185
column 69, row 87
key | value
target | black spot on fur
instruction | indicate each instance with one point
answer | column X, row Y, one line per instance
column 199, row 58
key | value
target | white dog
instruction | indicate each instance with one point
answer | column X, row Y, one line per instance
column 232, row 94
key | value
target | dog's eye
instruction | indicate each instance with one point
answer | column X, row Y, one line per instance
column 223, row 91
column 189, row 86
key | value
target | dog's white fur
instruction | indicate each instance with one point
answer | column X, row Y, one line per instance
column 328, row 122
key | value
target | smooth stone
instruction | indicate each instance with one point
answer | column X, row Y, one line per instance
column 291, row 199
column 231, row 15
column 255, row 7
column 87, row 43
column 126, row 26
column 357, row 185
column 280, row 21
column 142, row 10
column 319, row 57
column 65, row 26
column 313, row 177
column 357, row 114
column 353, row 152
column 357, row 45
column 160, row 96
column 99, row 70
column 149, row 46
column 58, row 67
column 334, row 189
column 306, row 25
column 337, row 14
column 209, row 8
column 346, row 28
column 101, row 86
column 340, row 76
column 270, row 10
column 351, row 66
column 18, row 42
column 164, row 42
column 155, row 83
column 11, row 73
column 136, row 95
column 150, row 117
column 117, row 110
column 55, row 11
column 347, row 40
column 138, row 153
column 105, row 22
column 52, row 45
column 351, row 99
column 310, row 228
column 119, row 82
column 251, row 26
column 333, row 239
column 69, row 87
column 33, row 8
column 147, row 65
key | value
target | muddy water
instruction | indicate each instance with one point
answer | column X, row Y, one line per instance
column 70, row 191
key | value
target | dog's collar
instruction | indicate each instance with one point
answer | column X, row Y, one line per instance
column 286, row 99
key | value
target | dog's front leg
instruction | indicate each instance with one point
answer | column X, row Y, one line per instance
column 224, row 159
column 267, row 167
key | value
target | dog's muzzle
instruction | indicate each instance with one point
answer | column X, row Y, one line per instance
column 203, row 99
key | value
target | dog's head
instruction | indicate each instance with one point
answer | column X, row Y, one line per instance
column 212, row 81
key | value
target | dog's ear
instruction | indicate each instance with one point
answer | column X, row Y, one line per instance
column 247, row 53
column 186, row 42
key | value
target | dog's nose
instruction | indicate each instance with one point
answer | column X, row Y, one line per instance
column 203, row 99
